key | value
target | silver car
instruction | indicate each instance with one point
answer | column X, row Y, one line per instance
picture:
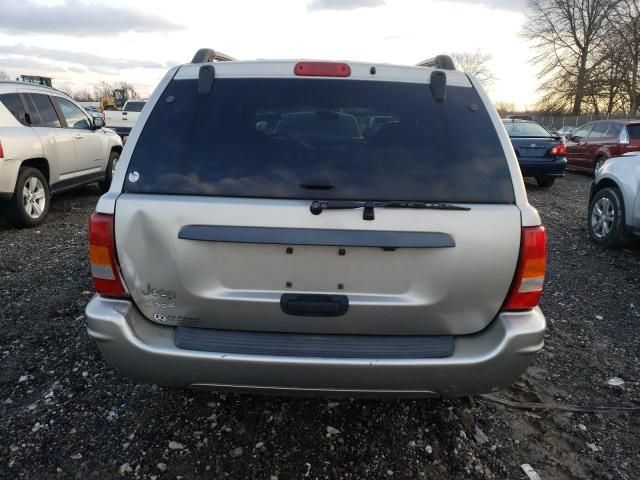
column 48, row 144
column 231, row 253
column 614, row 202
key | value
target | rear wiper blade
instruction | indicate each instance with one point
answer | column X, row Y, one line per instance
column 318, row 206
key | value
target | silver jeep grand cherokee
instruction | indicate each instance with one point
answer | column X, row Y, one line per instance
column 319, row 227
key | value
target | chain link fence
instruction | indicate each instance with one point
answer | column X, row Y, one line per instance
column 555, row 122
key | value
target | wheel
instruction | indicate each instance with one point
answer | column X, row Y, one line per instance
column 606, row 219
column 598, row 164
column 111, row 170
column 30, row 203
column 545, row 182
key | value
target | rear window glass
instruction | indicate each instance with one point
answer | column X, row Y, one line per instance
column 14, row 104
column 634, row 131
column 524, row 129
column 46, row 114
column 369, row 140
column 134, row 106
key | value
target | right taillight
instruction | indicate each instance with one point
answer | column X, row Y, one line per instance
column 527, row 284
column 1, row 151
column 103, row 259
column 559, row 150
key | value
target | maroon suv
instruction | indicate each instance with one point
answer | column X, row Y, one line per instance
column 592, row 144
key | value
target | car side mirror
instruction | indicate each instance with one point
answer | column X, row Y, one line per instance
column 98, row 122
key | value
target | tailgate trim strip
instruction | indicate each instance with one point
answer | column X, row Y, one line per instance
column 311, row 345
column 316, row 237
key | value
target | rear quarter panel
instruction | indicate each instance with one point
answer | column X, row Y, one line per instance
column 625, row 172
column 19, row 143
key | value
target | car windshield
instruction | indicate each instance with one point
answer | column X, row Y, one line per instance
column 368, row 140
column 525, row 129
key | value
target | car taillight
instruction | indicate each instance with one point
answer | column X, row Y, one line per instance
column 322, row 69
column 103, row 259
column 1, row 151
column 527, row 284
column 558, row 151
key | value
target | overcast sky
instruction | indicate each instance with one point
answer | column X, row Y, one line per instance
column 82, row 42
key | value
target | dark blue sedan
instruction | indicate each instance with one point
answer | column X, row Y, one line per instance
column 540, row 154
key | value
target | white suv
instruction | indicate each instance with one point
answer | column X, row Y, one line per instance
column 48, row 144
column 318, row 227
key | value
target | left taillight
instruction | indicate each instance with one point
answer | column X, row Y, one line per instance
column 1, row 151
column 559, row 150
column 103, row 258
column 526, row 288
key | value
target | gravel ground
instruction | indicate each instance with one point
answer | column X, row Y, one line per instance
column 65, row 414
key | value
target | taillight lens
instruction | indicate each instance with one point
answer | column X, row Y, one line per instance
column 559, row 150
column 528, row 282
column 103, row 259
column 1, row 151
column 322, row 69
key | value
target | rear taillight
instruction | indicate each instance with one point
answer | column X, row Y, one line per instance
column 102, row 256
column 1, row 151
column 527, row 284
column 322, row 69
column 559, row 150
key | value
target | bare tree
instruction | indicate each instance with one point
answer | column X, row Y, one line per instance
column 505, row 108
column 476, row 64
column 104, row 89
column 626, row 24
column 4, row 75
column 566, row 34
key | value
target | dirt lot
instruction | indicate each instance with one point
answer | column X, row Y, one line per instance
column 65, row 414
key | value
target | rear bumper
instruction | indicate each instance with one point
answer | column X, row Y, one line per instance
column 486, row 361
column 543, row 168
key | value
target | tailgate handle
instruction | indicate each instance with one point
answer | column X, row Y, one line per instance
column 314, row 305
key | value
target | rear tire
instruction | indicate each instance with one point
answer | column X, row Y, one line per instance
column 606, row 222
column 111, row 166
column 31, row 198
column 545, row 182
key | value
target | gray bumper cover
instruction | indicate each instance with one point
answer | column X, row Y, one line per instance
column 486, row 361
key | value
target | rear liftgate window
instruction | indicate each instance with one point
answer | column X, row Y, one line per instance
column 357, row 140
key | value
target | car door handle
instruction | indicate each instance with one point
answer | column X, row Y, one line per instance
column 78, row 135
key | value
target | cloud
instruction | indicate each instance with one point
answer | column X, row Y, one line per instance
column 90, row 61
column 29, row 64
column 76, row 18
column 315, row 5
column 514, row 5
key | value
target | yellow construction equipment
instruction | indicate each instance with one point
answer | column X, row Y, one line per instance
column 117, row 99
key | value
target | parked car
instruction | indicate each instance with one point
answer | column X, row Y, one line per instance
column 122, row 121
column 227, row 255
column 594, row 143
column 565, row 131
column 48, row 143
column 540, row 154
column 614, row 202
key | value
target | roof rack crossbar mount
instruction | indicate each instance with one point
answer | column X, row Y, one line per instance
column 207, row 55
column 443, row 62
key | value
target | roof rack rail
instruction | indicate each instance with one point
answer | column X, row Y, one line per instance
column 443, row 62
column 206, row 55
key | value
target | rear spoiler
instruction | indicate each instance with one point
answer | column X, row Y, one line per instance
column 443, row 62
